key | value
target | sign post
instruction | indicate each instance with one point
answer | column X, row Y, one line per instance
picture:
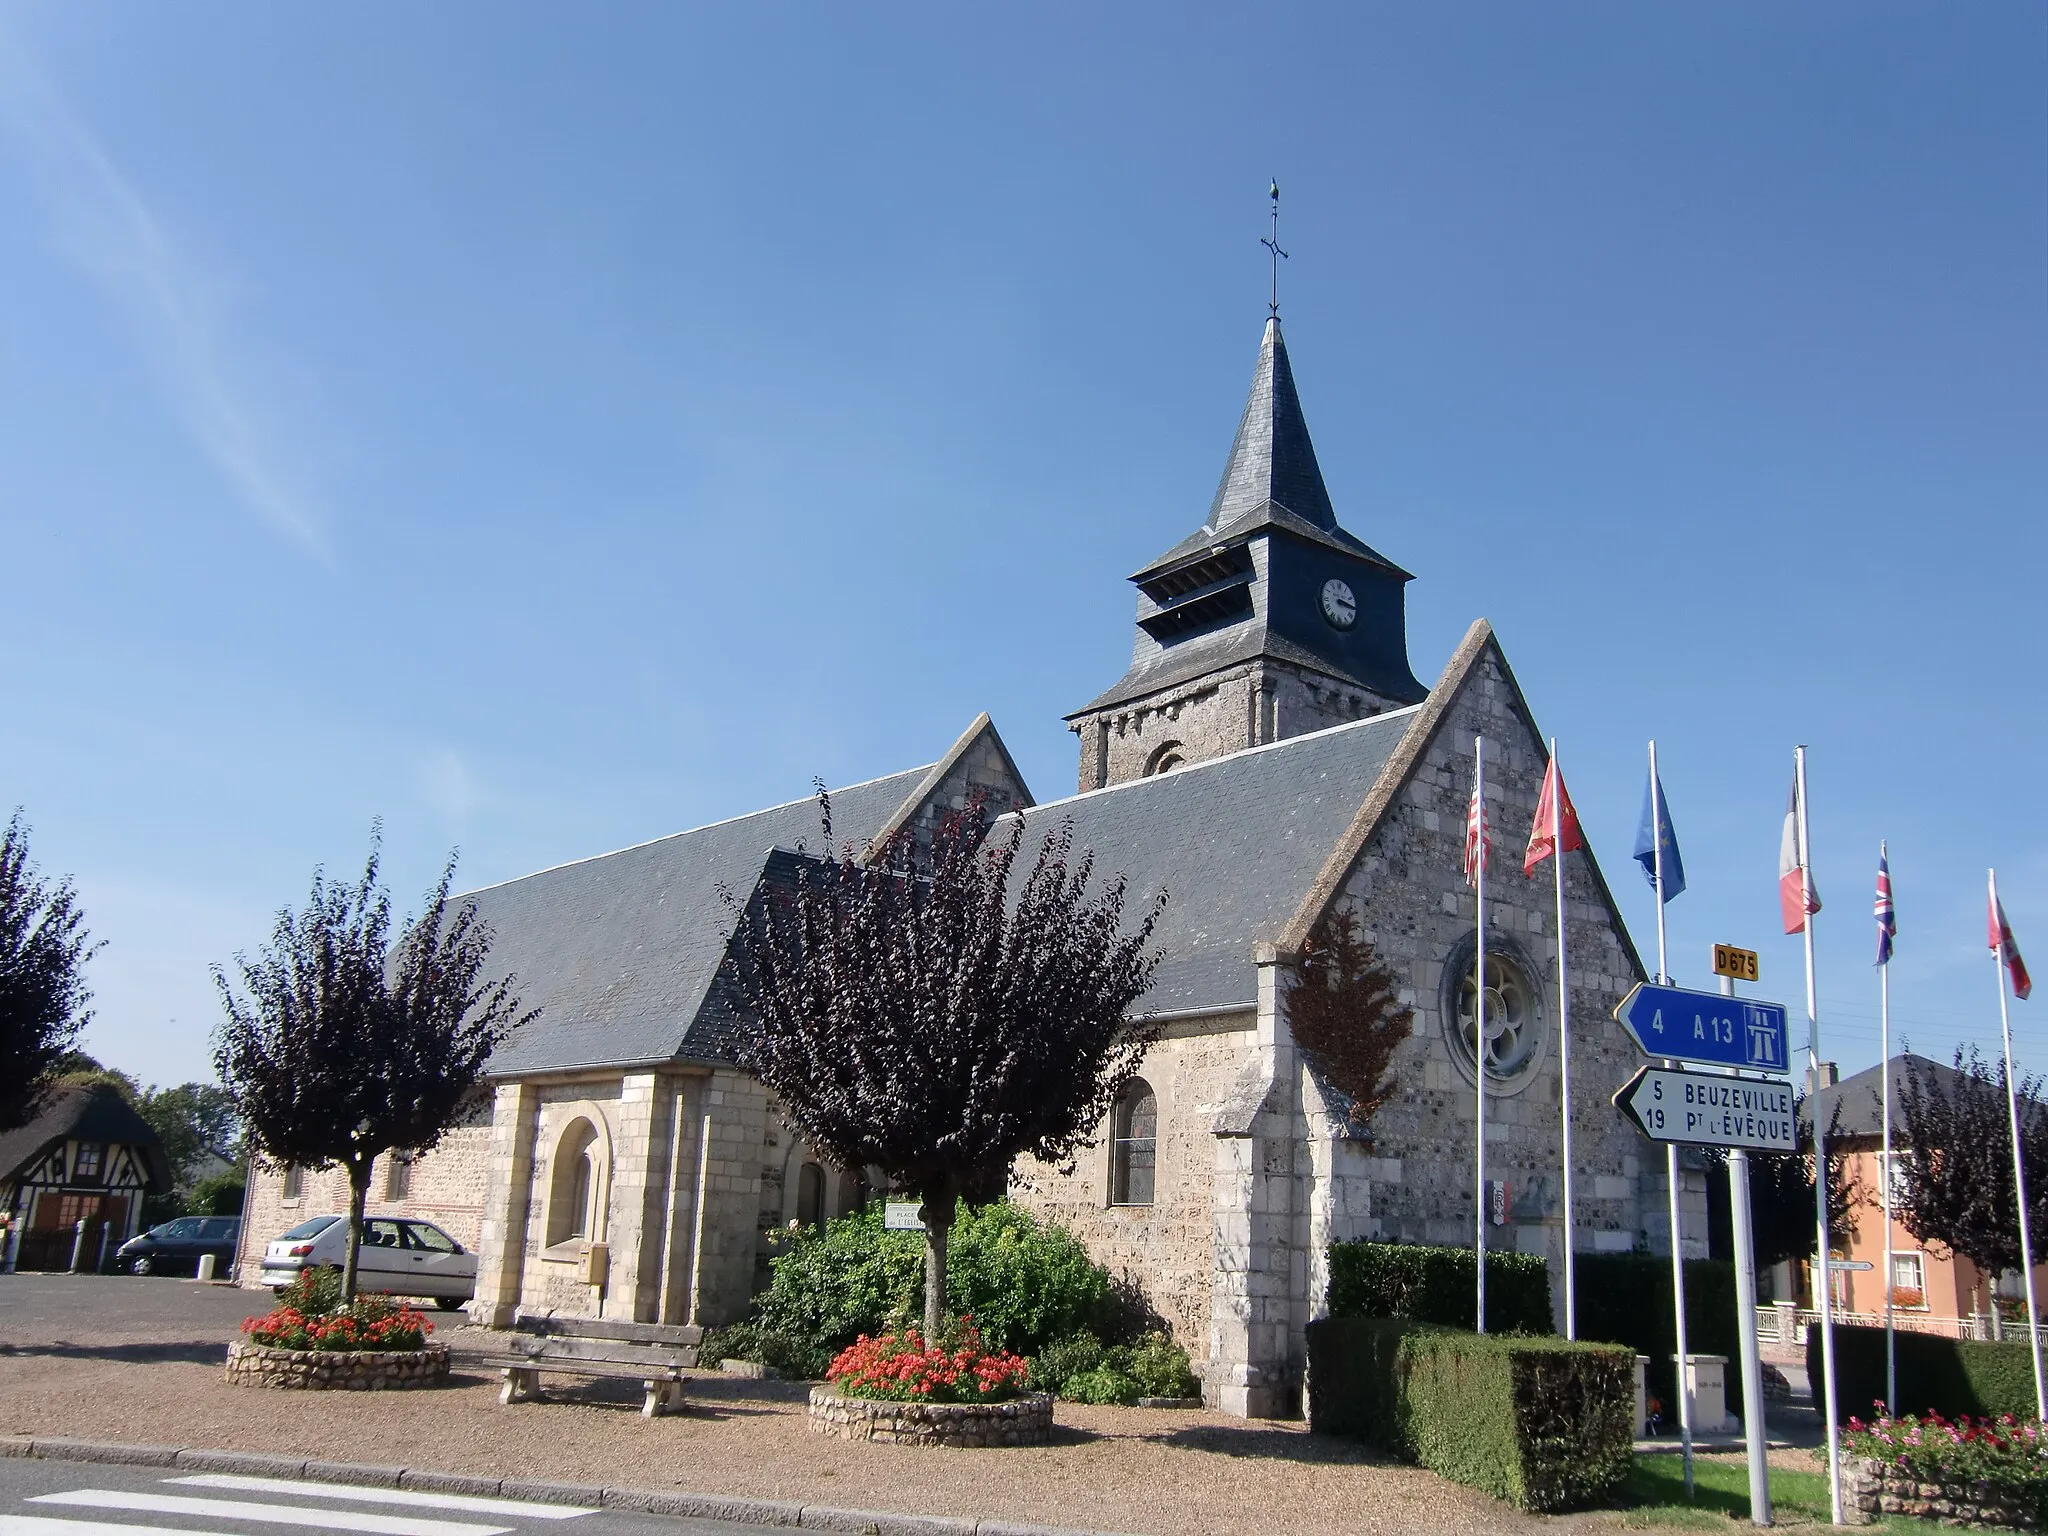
column 1745, row 1306
column 1718, row 1109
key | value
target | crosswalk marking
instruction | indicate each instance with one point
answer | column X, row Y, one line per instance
column 272, row 1514
column 472, row 1503
column 34, row 1525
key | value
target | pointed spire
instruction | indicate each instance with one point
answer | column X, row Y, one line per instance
column 1272, row 459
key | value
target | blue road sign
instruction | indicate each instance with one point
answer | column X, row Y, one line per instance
column 1706, row 1027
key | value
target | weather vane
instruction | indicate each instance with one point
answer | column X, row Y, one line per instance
column 1272, row 243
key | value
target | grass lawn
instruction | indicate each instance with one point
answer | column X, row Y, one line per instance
column 1655, row 1492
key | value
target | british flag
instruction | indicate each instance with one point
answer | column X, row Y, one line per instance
column 1887, row 919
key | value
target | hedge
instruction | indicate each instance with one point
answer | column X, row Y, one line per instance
column 1436, row 1285
column 1952, row 1377
column 1544, row 1424
column 1625, row 1298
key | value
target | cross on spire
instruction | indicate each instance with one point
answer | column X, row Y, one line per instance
column 1272, row 243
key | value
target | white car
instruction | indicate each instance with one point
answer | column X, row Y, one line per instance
column 399, row 1257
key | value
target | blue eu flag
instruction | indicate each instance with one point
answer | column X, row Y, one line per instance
column 1655, row 828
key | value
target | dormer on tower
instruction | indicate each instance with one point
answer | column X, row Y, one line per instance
column 1268, row 621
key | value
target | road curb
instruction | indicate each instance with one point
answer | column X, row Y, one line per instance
column 649, row 1501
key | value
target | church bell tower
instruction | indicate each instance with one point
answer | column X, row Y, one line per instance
column 1268, row 621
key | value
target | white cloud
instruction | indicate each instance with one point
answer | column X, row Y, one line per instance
column 107, row 226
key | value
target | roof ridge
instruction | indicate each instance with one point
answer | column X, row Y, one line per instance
column 724, row 821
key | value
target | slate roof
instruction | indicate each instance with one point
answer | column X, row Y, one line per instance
column 619, row 951
column 89, row 1112
column 1202, row 654
column 1271, row 477
column 1235, row 842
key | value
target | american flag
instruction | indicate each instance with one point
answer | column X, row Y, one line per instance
column 1478, row 839
column 1887, row 919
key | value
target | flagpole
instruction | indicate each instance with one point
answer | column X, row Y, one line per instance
column 2019, row 1167
column 1671, row 1147
column 1884, row 1035
column 1564, row 1040
column 1823, row 1285
column 1479, row 1024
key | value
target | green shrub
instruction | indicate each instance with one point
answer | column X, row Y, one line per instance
column 1023, row 1284
column 219, row 1195
column 1062, row 1360
column 1161, row 1368
column 1436, row 1285
column 1082, row 1369
column 796, row 1359
column 1625, row 1298
column 1951, row 1377
column 1542, row 1423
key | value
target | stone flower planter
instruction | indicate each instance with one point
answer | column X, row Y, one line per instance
column 1021, row 1421
column 1873, row 1489
column 336, row 1370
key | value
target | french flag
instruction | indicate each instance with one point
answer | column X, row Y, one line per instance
column 1797, row 894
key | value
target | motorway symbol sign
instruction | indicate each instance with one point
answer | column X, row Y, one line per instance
column 1706, row 1111
column 1706, row 1027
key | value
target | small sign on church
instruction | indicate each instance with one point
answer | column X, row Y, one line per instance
column 901, row 1216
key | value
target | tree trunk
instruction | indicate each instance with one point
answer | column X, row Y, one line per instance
column 937, row 1215
column 358, row 1193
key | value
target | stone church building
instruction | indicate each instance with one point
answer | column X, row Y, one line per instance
column 1268, row 756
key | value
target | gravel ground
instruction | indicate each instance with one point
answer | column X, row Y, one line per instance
column 140, row 1360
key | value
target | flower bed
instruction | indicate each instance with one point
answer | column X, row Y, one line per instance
column 371, row 1324
column 337, row 1370
column 1987, row 1472
column 1020, row 1421
column 903, row 1368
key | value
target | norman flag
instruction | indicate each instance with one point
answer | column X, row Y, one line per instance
column 1887, row 919
column 2008, row 951
column 1478, row 839
column 1554, row 815
column 1797, row 894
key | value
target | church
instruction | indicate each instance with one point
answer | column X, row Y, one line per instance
column 1266, row 758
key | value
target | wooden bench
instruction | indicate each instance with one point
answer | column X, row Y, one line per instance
column 656, row 1354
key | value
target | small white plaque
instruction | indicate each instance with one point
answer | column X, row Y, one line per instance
column 901, row 1216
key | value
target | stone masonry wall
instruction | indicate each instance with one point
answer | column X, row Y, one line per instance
column 1166, row 1249
column 1409, row 891
column 1225, row 711
column 447, row 1187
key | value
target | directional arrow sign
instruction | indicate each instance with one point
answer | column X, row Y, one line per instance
column 1710, row 1111
column 1706, row 1027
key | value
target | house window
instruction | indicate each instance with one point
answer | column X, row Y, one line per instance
column 810, row 1195
column 1909, row 1280
column 398, row 1176
column 86, row 1168
column 294, row 1181
column 1133, row 1145
column 572, row 1201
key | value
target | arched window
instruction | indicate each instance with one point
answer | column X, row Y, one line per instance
column 1166, row 757
column 1133, row 1145
column 810, row 1195
column 574, row 1188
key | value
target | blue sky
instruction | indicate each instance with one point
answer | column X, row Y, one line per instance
column 549, row 429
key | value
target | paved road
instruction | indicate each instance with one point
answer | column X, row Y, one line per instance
column 75, row 1498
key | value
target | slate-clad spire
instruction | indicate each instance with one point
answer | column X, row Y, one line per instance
column 1272, row 458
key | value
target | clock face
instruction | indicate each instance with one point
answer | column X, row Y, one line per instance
column 1339, row 606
